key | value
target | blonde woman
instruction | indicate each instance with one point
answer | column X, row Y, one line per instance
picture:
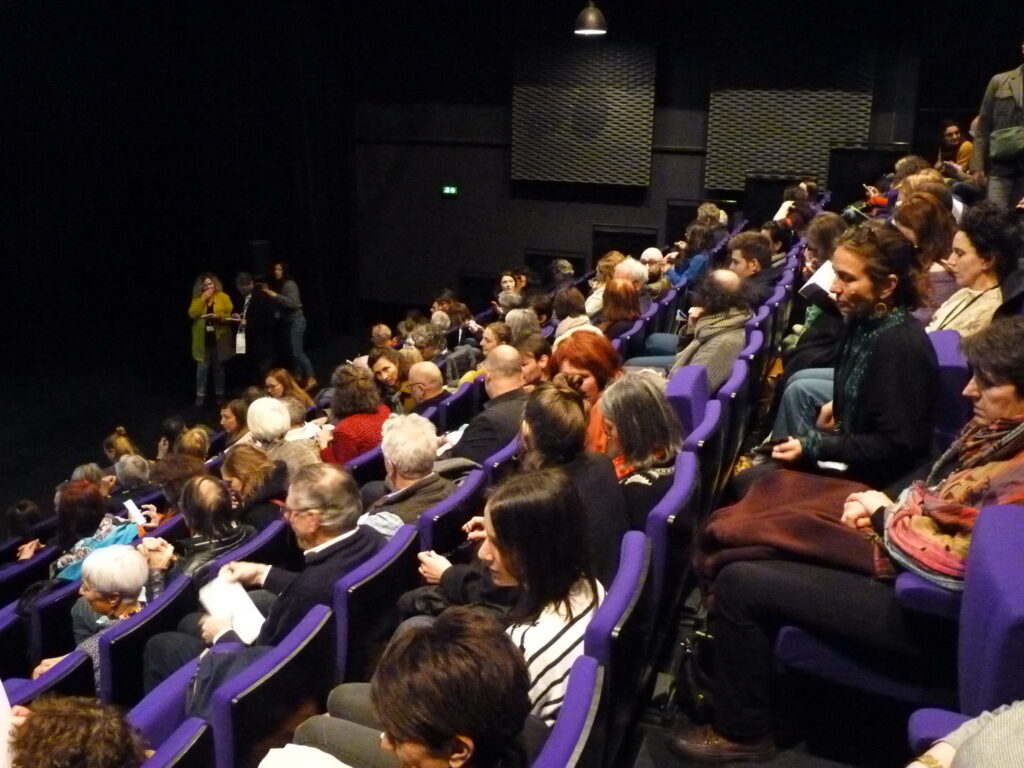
column 212, row 338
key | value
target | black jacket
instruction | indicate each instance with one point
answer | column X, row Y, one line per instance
column 605, row 507
column 260, row 509
column 492, row 429
column 298, row 592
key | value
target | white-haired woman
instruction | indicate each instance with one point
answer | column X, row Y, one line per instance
column 112, row 582
column 269, row 422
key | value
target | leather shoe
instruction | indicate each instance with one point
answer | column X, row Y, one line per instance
column 703, row 744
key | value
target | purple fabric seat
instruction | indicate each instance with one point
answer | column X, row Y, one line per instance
column 916, row 593
column 991, row 638
column 758, row 321
column 364, row 603
column 667, row 315
column 49, row 623
column 952, row 409
column 367, row 467
column 500, row 463
column 267, row 546
column 162, row 711
column 618, row 638
column 432, row 415
column 734, row 397
column 756, row 355
column 191, row 744
column 12, row 643
column 458, row 408
column 567, row 745
column 706, row 442
column 15, row 577
column 122, row 646
column 670, row 528
column 631, row 343
column 173, row 528
column 687, row 392
column 71, row 676
column 440, row 526
column 926, row 726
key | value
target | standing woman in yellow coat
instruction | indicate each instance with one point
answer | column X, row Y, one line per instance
column 212, row 339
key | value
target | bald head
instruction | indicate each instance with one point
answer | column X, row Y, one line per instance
column 425, row 381
column 727, row 280
column 503, row 370
column 720, row 291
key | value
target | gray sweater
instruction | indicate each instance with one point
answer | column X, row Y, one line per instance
column 991, row 740
column 715, row 342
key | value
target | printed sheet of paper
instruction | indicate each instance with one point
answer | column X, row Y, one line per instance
column 229, row 599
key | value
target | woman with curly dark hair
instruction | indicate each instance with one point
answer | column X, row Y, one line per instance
column 391, row 372
column 284, row 293
column 357, row 406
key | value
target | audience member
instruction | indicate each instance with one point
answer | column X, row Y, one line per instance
column 493, row 335
column 632, row 270
column 658, row 283
column 193, row 442
column 554, row 435
column 233, row 422
column 322, row 508
column 429, row 342
column 257, row 483
column 132, row 473
column 985, row 252
column 506, row 283
column 391, row 373
column 118, row 444
column 212, row 337
column 750, row 257
column 206, row 505
column 570, row 311
column 300, row 429
column 786, row 561
column 603, row 274
column 781, row 238
column 521, row 323
column 643, row 440
column 536, row 353
column 926, row 223
column 170, row 429
column 20, row 518
column 562, row 274
column 691, row 260
column 257, row 322
column 427, row 385
column 591, row 362
column 494, row 427
column 281, row 384
column 269, row 422
column 714, row 218
column 172, row 473
column 542, row 305
column 451, row 693
column 954, row 150
column 409, row 445
column 996, row 161
column 360, row 413
column 57, row 732
column 621, row 308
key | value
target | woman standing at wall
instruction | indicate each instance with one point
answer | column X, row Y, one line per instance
column 284, row 292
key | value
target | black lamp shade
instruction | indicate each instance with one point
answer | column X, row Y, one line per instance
column 590, row 22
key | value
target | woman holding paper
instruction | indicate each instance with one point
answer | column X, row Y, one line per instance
column 212, row 338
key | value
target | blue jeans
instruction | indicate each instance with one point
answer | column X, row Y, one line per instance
column 210, row 360
column 803, row 397
column 296, row 334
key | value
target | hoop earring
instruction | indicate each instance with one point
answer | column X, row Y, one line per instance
column 881, row 309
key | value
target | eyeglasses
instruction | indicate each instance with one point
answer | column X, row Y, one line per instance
column 288, row 513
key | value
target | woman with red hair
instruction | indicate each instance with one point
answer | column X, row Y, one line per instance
column 621, row 308
column 926, row 222
column 590, row 361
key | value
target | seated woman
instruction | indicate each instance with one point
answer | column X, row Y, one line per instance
column 19, row 519
column 170, row 429
column 621, row 308
column 521, row 323
column 879, row 423
column 269, row 422
column 171, row 474
column 193, row 442
column 233, row 422
column 843, row 523
column 360, row 413
column 257, row 483
column 985, row 251
column 929, row 225
column 391, row 372
column 118, row 444
column 591, row 357
column 471, row 693
column 553, row 434
column 493, row 335
column 568, row 306
column 603, row 275
column 206, row 505
column 530, row 532
column 83, row 525
column 132, row 473
column 536, row 352
column 694, row 251
column 55, row 732
column 643, row 439
column 112, row 582
column 280, row 383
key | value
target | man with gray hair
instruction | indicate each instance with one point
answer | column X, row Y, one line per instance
column 269, row 422
column 301, row 430
column 429, row 342
column 322, row 509
column 426, row 382
column 493, row 428
column 632, row 270
column 409, row 446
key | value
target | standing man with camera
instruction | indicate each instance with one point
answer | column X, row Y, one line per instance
column 998, row 157
column 257, row 329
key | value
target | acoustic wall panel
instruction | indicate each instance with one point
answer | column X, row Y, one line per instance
column 755, row 129
column 584, row 114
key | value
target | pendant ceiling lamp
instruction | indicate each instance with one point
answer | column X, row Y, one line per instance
column 591, row 21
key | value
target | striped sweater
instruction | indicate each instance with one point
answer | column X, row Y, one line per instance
column 550, row 645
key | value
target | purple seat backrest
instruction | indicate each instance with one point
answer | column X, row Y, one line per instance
column 458, row 408
column 621, row 600
column 262, row 548
column 548, row 331
column 16, row 576
column 364, row 601
column 755, row 345
column 758, row 320
column 670, row 524
column 255, row 701
column 432, row 415
column 190, row 744
column 498, row 462
column 162, row 710
column 734, row 397
column 687, row 391
column 952, row 409
column 618, row 345
column 439, row 526
column 122, row 646
column 567, row 741
column 731, row 388
column 49, row 627
column 992, row 613
column 173, row 528
column 71, row 676
column 367, row 466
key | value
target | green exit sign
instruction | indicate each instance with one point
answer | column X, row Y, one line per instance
column 450, row 190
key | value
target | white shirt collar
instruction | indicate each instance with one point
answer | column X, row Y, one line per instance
column 329, row 542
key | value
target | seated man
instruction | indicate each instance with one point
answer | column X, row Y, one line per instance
column 455, row 689
column 322, row 509
column 781, row 238
column 380, row 337
column 658, row 283
column 632, row 270
column 493, row 428
column 429, row 342
column 751, row 259
column 409, row 446
column 427, row 385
